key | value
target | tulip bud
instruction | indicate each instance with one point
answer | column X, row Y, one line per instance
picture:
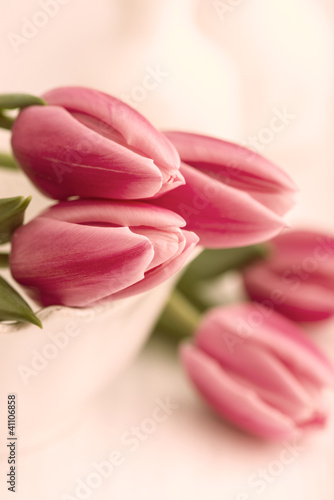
column 259, row 371
column 297, row 279
column 86, row 143
column 81, row 252
column 232, row 197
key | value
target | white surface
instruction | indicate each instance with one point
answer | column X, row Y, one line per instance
column 192, row 454
column 226, row 76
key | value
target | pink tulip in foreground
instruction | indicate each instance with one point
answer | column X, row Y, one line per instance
column 80, row 252
column 297, row 279
column 232, row 197
column 259, row 371
column 86, row 143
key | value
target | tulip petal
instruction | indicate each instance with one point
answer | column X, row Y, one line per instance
column 233, row 400
column 76, row 265
column 137, row 132
column 278, row 335
column 238, row 167
column 309, row 299
column 170, row 179
column 166, row 244
column 304, row 242
column 220, row 215
column 303, row 253
column 268, row 376
column 161, row 273
column 121, row 213
column 80, row 162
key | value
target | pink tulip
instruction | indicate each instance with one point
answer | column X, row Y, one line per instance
column 86, row 143
column 232, row 197
column 80, row 252
column 259, row 371
column 298, row 277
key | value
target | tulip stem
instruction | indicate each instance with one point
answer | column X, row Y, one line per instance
column 16, row 101
column 179, row 318
column 19, row 101
column 7, row 161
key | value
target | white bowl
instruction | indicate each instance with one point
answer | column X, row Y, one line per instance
column 54, row 372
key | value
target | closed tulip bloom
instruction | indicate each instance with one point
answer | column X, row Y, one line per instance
column 233, row 196
column 81, row 252
column 86, row 143
column 259, row 371
column 297, row 279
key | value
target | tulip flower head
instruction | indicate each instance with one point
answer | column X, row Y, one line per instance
column 259, row 371
column 232, row 197
column 81, row 252
column 86, row 143
column 297, row 279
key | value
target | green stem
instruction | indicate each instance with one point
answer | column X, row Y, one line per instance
column 179, row 318
column 14, row 101
column 191, row 288
column 7, row 161
column 4, row 259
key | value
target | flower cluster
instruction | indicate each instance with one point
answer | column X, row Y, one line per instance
column 131, row 205
column 132, row 201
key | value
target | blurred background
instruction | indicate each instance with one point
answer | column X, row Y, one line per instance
column 257, row 72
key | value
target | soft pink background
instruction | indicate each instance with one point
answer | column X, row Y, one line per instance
column 225, row 76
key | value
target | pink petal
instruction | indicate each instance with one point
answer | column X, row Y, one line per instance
column 70, row 160
column 136, row 130
column 122, row 213
column 232, row 400
column 220, row 215
column 301, row 300
column 170, row 179
column 303, row 256
column 238, row 167
column 260, row 369
column 170, row 182
column 276, row 334
column 304, row 242
column 76, row 265
column 161, row 273
column 166, row 244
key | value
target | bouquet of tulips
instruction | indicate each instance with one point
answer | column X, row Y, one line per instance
column 130, row 206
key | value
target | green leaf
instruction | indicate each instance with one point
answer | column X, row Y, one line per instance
column 7, row 161
column 11, row 215
column 213, row 262
column 6, row 122
column 13, row 307
column 4, row 259
column 13, row 101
